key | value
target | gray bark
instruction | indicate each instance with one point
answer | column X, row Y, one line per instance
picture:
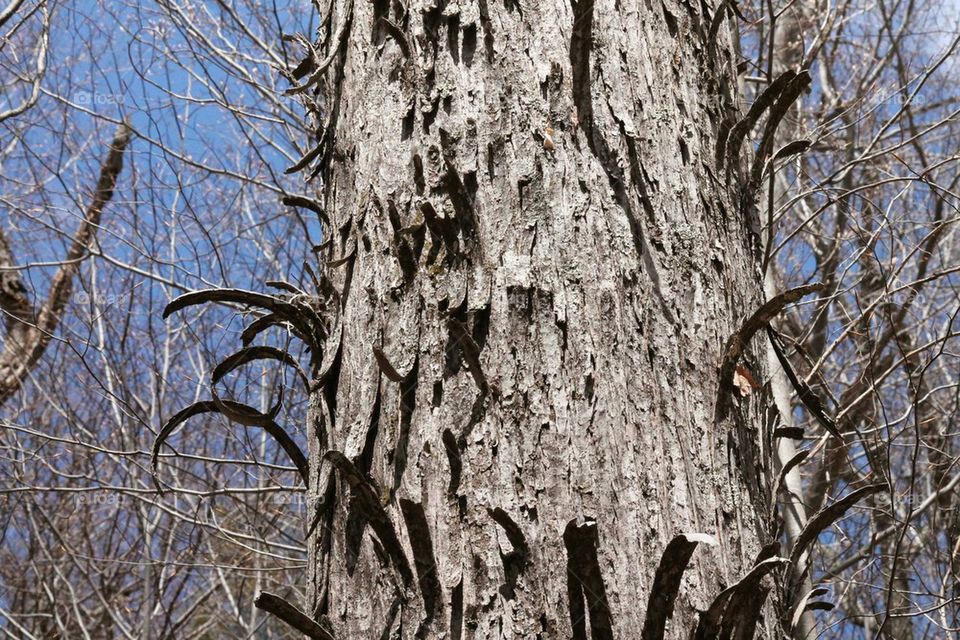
column 538, row 262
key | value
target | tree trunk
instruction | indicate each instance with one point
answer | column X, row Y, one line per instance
column 538, row 263
column 29, row 329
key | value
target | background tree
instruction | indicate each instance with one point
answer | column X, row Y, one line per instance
column 865, row 211
column 89, row 546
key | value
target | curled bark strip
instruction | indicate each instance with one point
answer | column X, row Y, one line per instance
column 723, row 133
column 470, row 352
column 195, row 409
column 827, row 516
column 762, row 166
column 245, row 414
column 748, row 608
column 809, row 399
column 666, row 582
column 585, row 581
column 338, row 41
column 418, row 531
column 453, row 458
column 739, row 340
column 324, row 285
column 732, row 4
column 764, row 101
column 306, row 203
column 709, row 626
column 791, row 433
column 250, row 354
column 397, row 34
column 258, row 326
column 514, row 561
column 211, row 406
column 317, row 284
column 307, row 158
column 301, row 317
column 456, row 611
column 228, row 296
column 263, row 323
column 405, row 256
column 291, row 615
column 284, row 286
column 514, row 534
column 737, row 617
column 791, row 464
column 440, row 227
column 369, row 499
column 307, row 65
column 331, row 355
column 384, row 363
column 718, row 16
column 792, row 149
column 351, row 252
column 717, row 20
column 801, row 607
column 786, row 99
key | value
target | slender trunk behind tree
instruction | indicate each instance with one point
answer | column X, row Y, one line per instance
column 29, row 326
column 539, row 261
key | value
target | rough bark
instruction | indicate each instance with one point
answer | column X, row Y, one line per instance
column 535, row 263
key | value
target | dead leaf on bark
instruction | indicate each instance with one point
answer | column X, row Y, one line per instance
column 548, row 142
column 744, row 381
